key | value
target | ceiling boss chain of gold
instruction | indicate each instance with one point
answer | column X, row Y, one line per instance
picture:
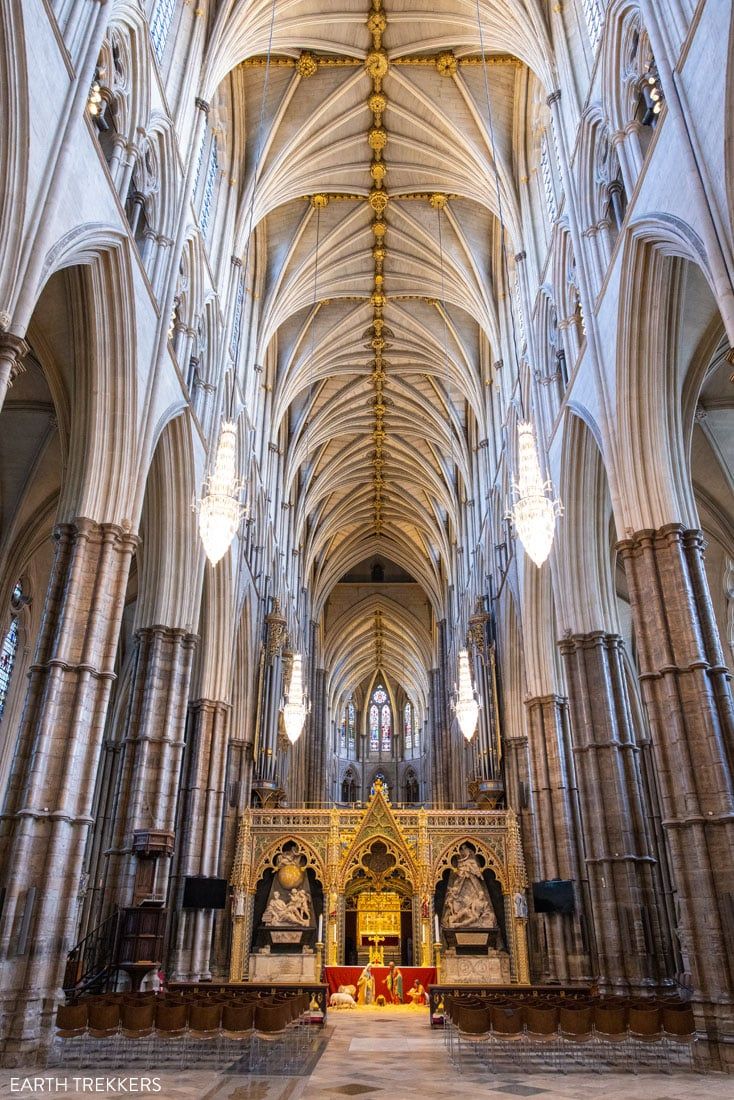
column 377, row 65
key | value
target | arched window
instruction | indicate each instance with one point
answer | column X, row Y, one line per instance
column 349, row 787
column 160, row 26
column 594, row 15
column 9, row 649
column 408, row 727
column 380, row 721
column 548, row 182
column 412, row 790
column 348, row 729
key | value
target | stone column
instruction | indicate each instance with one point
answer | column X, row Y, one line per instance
column 153, row 742
column 556, row 834
column 200, row 827
column 266, row 783
column 438, row 746
column 49, row 803
column 621, row 867
column 13, row 350
column 686, row 689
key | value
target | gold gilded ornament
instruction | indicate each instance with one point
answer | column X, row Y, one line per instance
column 307, row 65
column 319, row 201
column 446, row 64
column 376, row 64
column 378, row 171
column 377, row 103
column 376, row 23
column 377, row 299
column 377, row 138
column 379, row 229
column 378, row 254
column 438, row 200
column 378, row 200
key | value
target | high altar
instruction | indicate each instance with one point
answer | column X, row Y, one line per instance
column 422, row 887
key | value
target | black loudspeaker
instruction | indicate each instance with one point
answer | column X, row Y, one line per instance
column 204, row 893
column 553, row 896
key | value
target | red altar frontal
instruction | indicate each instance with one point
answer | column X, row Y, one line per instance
column 349, row 975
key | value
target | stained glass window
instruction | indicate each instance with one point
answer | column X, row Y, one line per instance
column 374, row 728
column 386, row 726
column 380, row 721
column 594, row 13
column 547, row 173
column 160, row 25
column 348, row 729
column 211, row 176
column 8, row 651
column 408, row 726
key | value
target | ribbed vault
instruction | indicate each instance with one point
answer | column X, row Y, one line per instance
column 370, row 174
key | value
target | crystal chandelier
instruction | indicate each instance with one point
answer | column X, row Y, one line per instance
column 296, row 705
column 533, row 510
column 220, row 510
column 466, row 703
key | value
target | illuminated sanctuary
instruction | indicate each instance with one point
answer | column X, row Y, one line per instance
column 366, row 540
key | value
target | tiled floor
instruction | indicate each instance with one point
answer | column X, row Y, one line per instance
column 391, row 1054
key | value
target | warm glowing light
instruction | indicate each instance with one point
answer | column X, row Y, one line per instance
column 296, row 706
column 220, row 510
column 533, row 509
column 466, row 704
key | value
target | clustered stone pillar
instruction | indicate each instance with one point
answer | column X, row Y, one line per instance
column 266, row 783
column 201, row 815
column 439, row 776
column 619, row 852
column 486, row 745
column 556, row 838
column 316, row 730
column 49, row 802
column 13, row 350
column 145, row 809
column 685, row 685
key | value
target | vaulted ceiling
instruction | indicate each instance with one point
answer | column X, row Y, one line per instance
column 370, row 171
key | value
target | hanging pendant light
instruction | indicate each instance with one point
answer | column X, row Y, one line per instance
column 296, row 705
column 466, row 703
column 220, row 510
column 533, row 510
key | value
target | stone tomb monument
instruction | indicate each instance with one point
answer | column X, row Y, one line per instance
column 474, row 947
column 287, row 925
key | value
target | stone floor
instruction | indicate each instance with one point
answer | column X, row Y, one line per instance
column 376, row 1053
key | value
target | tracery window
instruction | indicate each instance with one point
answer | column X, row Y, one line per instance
column 594, row 15
column 348, row 729
column 548, row 184
column 9, row 650
column 208, row 196
column 408, row 727
column 380, row 721
column 160, row 26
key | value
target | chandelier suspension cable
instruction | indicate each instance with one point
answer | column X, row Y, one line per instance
column 255, row 179
column 312, row 350
column 220, row 508
column 533, row 509
column 500, row 211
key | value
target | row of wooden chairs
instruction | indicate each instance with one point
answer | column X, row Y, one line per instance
column 185, row 1029
column 572, row 1034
